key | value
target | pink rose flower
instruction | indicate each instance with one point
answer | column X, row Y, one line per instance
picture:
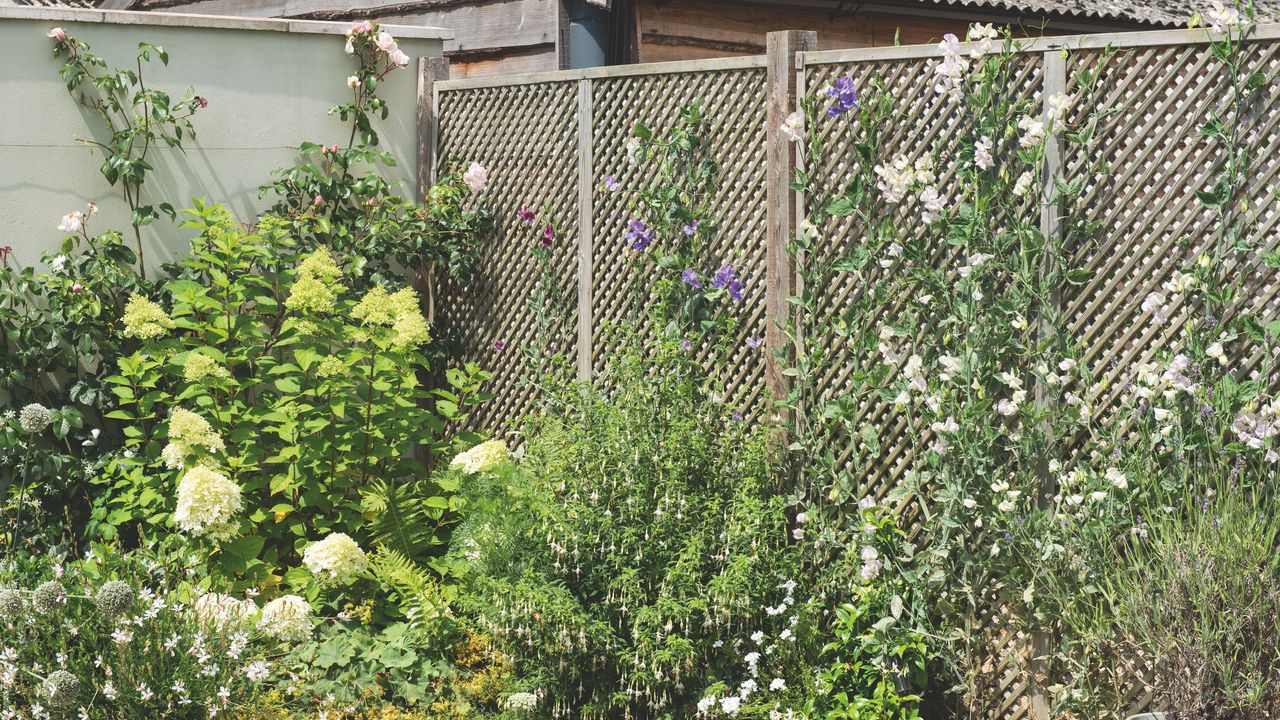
column 72, row 222
column 385, row 42
column 476, row 177
column 398, row 57
column 57, row 34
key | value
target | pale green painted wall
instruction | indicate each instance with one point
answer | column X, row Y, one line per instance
column 268, row 91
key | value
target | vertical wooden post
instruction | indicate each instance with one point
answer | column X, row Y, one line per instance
column 781, row 202
column 1055, row 81
column 586, row 190
column 430, row 71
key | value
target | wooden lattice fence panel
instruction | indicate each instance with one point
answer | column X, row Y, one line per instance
column 526, row 136
column 732, row 102
column 534, row 134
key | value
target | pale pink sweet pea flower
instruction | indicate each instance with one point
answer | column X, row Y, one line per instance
column 57, row 34
column 476, row 177
column 72, row 222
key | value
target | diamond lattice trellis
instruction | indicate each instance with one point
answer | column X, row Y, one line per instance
column 1163, row 86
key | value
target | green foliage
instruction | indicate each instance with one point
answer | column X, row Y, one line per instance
column 137, row 117
column 155, row 655
column 639, row 537
column 315, row 394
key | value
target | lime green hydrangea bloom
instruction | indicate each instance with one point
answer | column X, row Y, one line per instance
column 329, row 367
column 187, row 432
column 316, row 289
column 200, row 367
column 144, row 319
column 398, row 311
column 207, row 503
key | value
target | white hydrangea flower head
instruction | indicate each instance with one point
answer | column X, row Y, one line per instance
column 482, row 458
column 207, row 502
column 335, row 560
column 287, row 618
column 522, row 702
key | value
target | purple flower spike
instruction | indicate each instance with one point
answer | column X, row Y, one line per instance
column 844, row 96
column 525, row 215
column 691, row 279
column 640, row 236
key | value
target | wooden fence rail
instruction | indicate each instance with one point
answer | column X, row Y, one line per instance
column 550, row 140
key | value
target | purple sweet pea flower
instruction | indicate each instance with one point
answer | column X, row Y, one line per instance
column 844, row 96
column 499, row 346
column 691, row 279
column 737, row 415
column 641, row 237
column 755, row 342
column 525, row 215
column 611, row 183
column 686, row 344
column 690, row 228
column 726, row 279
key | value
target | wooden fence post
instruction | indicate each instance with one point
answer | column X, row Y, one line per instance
column 782, row 78
column 1055, row 81
column 430, row 71
column 586, row 213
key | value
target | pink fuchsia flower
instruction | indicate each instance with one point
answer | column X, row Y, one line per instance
column 57, row 34
column 72, row 222
column 476, row 177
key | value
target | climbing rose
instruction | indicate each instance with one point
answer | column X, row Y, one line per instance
column 476, row 177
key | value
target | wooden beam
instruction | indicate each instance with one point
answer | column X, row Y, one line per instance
column 586, row 247
column 431, row 70
column 780, row 200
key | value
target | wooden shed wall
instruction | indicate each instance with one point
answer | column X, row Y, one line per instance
column 491, row 37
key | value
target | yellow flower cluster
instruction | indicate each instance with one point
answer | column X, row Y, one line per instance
column 200, row 367
column 316, row 289
column 144, row 319
column 188, row 431
column 482, row 458
column 398, row 311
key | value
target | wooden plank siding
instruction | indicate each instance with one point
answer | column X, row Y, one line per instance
column 669, row 30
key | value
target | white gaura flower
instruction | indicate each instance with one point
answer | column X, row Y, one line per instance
column 222, row 612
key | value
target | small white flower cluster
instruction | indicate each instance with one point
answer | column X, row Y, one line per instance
column 335, row 560
column 1256, row 425
column 1010, row 406
column 901, row 176
column 731, row 703
column 34, row 418
column 951, row 69
column 1035, row 129
column 792, row 128
column 522, row 702
column 220, row 612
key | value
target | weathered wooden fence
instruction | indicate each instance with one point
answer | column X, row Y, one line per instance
column 549, row 140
